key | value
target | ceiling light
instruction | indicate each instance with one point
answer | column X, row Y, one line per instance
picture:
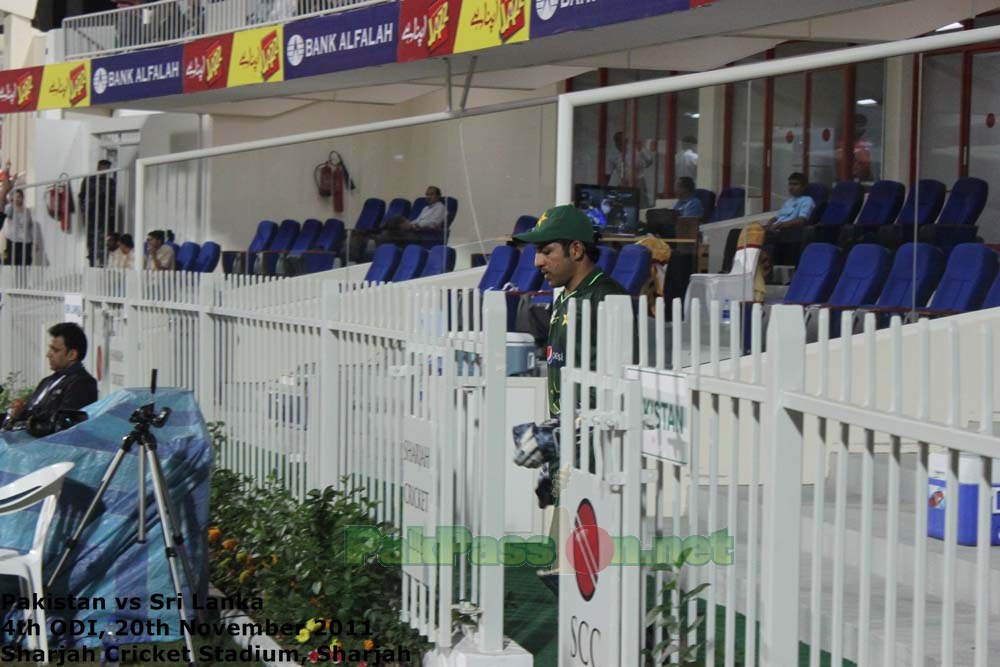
column 867, row 102
column 950, row 26
column 692, row 115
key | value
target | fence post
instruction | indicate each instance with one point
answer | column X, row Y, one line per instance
column 494, row 463
column 7, row 320
column 133, row 293
column 207, row 361
column 329, row 391
column 783, row 490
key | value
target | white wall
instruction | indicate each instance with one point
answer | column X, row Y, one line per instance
column 509, row 157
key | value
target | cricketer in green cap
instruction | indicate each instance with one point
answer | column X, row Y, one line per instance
column 565, row 252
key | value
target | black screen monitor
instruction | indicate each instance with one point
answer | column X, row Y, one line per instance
column 611, row 209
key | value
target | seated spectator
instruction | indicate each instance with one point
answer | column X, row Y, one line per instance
column 111, row 248
column 783, row 232
column 70, row 387
column 159, row 256
column 123, row 256
column 687, row 206
column 431, row 219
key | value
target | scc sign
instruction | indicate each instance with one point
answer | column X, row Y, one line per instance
column 588, row 552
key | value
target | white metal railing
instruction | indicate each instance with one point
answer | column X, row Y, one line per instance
column 318, row 379
column 169, row 21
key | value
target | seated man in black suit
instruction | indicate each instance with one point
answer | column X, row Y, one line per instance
column 70, row 387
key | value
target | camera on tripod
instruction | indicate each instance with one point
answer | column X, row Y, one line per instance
column 144, row 416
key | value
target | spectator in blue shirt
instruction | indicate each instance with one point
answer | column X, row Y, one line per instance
column 687, row 206
column 797, row 208
column 783, row 232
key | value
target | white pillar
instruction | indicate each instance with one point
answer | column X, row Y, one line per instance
column 897, row 118
column 711, row 148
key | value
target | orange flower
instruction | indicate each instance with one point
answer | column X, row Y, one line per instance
column 369, row 644
column 214, row 534
column 229, row 544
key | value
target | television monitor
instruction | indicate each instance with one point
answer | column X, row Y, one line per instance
column 611, row 209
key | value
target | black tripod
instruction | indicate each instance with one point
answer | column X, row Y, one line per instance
column 144, row 418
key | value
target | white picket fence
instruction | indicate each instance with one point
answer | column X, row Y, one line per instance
column 816, row 459
column 317, row 379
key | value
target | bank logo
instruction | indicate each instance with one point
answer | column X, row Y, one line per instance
column 546, row 9
column 100, row 81
column 296, row 50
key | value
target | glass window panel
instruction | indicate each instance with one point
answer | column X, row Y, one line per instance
column 786, row 139
column 869, row 108
column 748, row 97
column 585, row 133
column 826, row 120
column 940, row 126
column 984, row 137
column 685, row 151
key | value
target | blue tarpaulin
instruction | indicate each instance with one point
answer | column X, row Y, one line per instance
column 109, row 567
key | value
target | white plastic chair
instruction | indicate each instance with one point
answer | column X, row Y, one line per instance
column 732, row 287
column 42, row 486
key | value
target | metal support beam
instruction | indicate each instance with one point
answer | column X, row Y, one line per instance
column 468, row 81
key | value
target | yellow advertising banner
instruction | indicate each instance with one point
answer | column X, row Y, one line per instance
column 65, row 85
column 257, row 56
column 486, row 23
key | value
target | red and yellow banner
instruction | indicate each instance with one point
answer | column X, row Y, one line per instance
column 205, row 64
column 427, row 28
column 65, row 85
column 257, row 57
column 19, row 89
column 487, row 23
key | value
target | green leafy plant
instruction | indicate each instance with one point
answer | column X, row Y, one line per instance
column 264, row 542
column 14, row 388
column 672, row 616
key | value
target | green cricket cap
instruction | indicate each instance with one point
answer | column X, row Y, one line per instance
column 560, row 223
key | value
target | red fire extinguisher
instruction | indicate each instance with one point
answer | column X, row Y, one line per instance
column 59, row 203
column 330, row 179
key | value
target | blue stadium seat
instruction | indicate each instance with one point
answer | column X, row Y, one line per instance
column 500, row 267
column 186, row 256
column 967, row 277
column 860, row 281
column 819, row 194
column 841, row 209
column 632, row 268
column 398, row 207
column 957, row 222
column 730, row 205
column 327, row 247
column 607, row 259
column 282, row 242
column 307, row 237
column 371, row 216
column 817, row 273
column 208, row 257
column 440, row 259
column 266, row 229
column 992, row 299
column 885, row 199
column 931, row 194
column 525, row 224
column 384, row 263
column 898, row 289
column 411, row 263
column 707, row 199
column 526, row 277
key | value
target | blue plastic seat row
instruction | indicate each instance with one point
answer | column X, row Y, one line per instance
column 867, row 280
column 190, row 256
column 392, row 264
column 317, row 243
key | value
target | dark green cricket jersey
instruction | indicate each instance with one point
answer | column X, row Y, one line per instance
column 593, row 288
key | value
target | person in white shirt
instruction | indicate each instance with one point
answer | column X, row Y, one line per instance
column 159, row 256
column 122, row 257
column 20, row 231
column 432, row 218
